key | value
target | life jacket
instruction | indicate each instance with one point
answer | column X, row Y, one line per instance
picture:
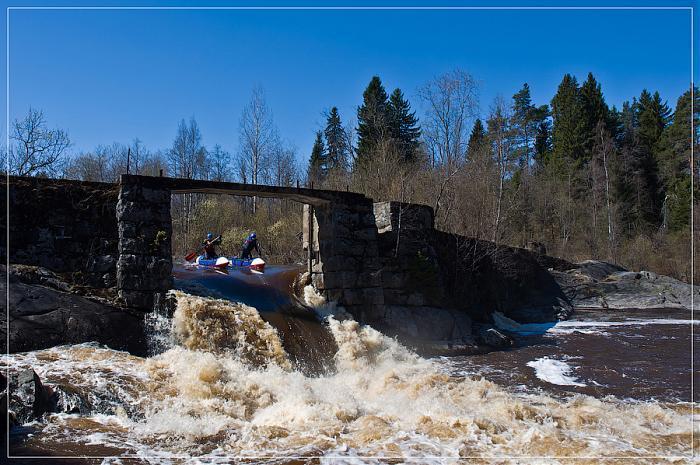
column 210, row 250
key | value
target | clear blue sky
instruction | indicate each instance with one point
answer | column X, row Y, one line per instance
column 111, row 75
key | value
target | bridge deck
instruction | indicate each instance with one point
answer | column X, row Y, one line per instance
column 304, row 195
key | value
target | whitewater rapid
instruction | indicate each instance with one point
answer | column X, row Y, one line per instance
column 225, row 388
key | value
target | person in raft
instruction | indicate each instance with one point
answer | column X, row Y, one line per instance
column 250, row 244
column 210, row 246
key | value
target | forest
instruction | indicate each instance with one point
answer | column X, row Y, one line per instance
column 574, row 177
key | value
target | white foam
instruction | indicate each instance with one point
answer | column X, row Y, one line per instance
column 207, row 397
column 554, row 371
column 595, row 327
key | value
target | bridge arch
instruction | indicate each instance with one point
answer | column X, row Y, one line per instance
column 340, row 236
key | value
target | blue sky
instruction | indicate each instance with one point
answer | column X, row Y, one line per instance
column 112, row 75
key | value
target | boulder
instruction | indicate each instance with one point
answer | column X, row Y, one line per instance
column 492, row 337
column 4, row 413
column 29, row 398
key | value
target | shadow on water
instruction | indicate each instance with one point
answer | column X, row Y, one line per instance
column 307, row 341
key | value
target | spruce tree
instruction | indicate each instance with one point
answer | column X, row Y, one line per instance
column 371, row 120
column 653, row 116
column 626, row 178
column 477, row 140
column 403, row 126
column 594, row 109
column 543, row 142
column 568, row 131
column 337, row 150
column 674, row 152
column 317, row 163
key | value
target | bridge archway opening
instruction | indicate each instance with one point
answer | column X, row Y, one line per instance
column 339, row 235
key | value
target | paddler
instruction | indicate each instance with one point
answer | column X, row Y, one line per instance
column 250, row 244
column 209, row 245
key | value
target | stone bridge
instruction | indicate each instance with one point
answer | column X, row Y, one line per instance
column 340, row 236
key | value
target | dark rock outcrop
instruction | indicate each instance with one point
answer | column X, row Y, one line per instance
column 42, row 317
column 29, row 398
column 595, row 284
column 4, row 411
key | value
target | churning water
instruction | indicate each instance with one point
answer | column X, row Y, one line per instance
column 226, row 391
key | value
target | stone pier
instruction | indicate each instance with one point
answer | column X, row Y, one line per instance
column 144, row 268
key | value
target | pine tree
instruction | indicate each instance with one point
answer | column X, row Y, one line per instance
column 568, row 131
column 403, row 126
column 337, row 149
column 371, row 120
column 523, row 124
column 317, row 163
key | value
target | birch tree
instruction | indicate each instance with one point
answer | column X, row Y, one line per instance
column 258, row 138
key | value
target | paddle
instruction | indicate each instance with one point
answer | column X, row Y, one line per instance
column 192, row 255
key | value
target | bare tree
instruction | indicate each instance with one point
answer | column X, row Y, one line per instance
column 603, row 149
column 501, row 137
column 137, row 157
column 188, row 158
column 155, row 165
column 220, row 164
column 37, row 149
column 451, row 101
column 258, row 138
column 87, row 166
column 284, row 166
column 3, row 156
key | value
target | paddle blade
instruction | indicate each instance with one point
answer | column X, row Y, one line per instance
column 191, row 256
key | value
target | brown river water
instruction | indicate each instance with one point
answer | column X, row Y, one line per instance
column 264, row 382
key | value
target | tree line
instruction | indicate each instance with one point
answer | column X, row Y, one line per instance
column 575, row 175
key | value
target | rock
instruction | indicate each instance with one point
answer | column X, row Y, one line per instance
column 29, row 398
column 598, row 270
column 300, row 282
column 103, row 264
column 602, row 285
column 494, row 338
column 67, row 399
column 37, row 275
column 537, row 247
column 41, row 317
column 3, row 407
column 421, row 326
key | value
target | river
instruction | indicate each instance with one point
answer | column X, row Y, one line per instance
column 263, row 382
